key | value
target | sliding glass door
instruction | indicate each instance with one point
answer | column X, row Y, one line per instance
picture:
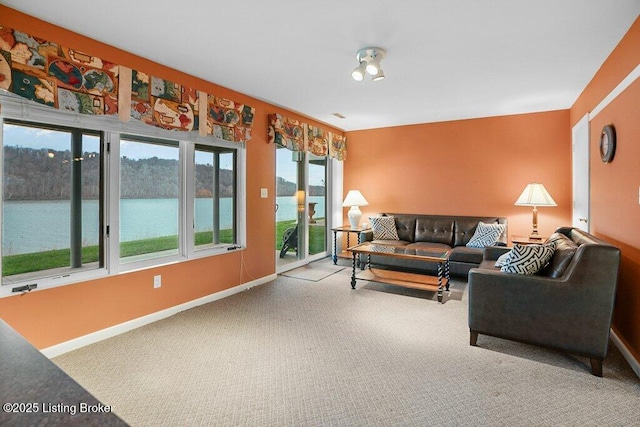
column 317, row 204
column 301, row 208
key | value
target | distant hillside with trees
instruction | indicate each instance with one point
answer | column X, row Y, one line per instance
column 288, row 188
column 32, row 174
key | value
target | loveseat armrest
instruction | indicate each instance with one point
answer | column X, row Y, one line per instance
column 492, row 253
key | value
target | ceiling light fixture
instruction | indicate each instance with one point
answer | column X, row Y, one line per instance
column 369, row 59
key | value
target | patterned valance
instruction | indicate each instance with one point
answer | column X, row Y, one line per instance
column 298, row 136
column 63, row 78
column 286, row 132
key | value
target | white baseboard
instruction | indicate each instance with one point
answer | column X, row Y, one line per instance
column 635, row 364
column 112, row 331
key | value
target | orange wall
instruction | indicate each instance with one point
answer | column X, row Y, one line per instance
column 53, row 316
column 465, row 167
column 615, row 211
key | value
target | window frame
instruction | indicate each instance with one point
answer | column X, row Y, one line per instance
column 54, row 279
column 16, row 109
column 194, row 251
column 143, row 261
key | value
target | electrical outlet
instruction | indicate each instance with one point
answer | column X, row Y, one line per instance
column 157, row 281
column 264, row 193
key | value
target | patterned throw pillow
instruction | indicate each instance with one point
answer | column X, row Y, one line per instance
column 528, row 259
column 384, row 228
column 486, row 235
column 503, row 259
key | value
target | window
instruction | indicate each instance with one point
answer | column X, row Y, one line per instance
column 149, row 199
column 51, row 201
column 215, row 196
column 82, row 200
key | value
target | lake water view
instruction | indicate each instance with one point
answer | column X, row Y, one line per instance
column 36, row 226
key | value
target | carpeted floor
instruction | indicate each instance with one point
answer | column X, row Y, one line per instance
column 297, row 352
column 314, row 271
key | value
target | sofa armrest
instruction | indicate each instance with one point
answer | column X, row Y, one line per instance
column 492, row 253
column 365, row 236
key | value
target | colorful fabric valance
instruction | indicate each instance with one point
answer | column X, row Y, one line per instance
column 338, row 147
column 63, row 78
column 228, row 120
column 298, row 136
column 286, row 132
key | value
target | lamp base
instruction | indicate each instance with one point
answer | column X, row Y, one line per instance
column 354, row 215
column 535, row 236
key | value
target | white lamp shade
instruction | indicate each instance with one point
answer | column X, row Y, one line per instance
column 535, row 195
column 354, row 198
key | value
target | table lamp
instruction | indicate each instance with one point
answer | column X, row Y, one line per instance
column 354, row 199
column 535, row 195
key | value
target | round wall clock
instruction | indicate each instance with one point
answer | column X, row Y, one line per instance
column 607, row 143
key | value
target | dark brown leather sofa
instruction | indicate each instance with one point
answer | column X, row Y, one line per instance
column 567, row 306
column 440, row 231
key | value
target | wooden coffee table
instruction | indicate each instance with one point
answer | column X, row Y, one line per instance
column 399, row 278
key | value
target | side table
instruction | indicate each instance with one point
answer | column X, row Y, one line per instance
column 344, row 229
column 526, row 240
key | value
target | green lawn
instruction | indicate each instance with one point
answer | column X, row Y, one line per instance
column 59, row 258
column 316, row 236
column 38, row 261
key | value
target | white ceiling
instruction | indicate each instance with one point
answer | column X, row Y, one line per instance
column 446, row 59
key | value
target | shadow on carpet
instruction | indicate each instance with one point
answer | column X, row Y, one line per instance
column 456, row 290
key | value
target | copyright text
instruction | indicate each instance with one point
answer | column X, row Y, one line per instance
column 49, row 408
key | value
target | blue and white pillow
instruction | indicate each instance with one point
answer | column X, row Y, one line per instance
column 528, row 259
column 384, row 228
column 503, row 259
column 486, row 235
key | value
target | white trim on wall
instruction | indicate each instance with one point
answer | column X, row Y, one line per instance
column 635, row 365
column 625, row 83
column 337, row 184
column 112, row 331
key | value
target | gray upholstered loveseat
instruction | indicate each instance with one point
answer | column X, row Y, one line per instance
column 439, row 231
column 568, row 305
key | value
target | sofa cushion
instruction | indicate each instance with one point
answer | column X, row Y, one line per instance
column 465, row 228
column 390, row 242
column 406, row 227
column 528, row 259
column 426, row 246
column 436, row 230
column 565, row 248
column 466, row 254
column 384, row 228
column 486, row 235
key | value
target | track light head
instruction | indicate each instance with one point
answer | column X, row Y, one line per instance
column 378, row 76
column 358, row 72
